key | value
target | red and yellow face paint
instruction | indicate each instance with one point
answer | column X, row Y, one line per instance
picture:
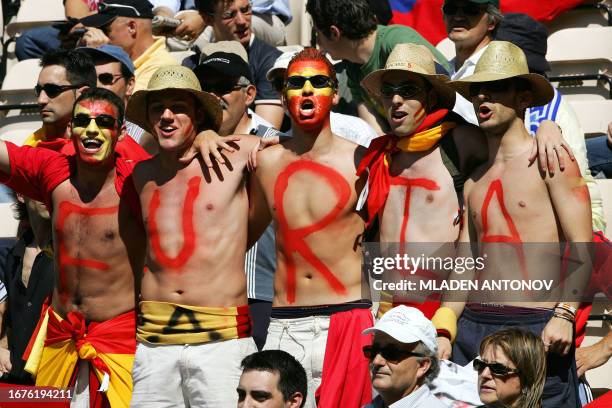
column 93, row 143
column 309, row 107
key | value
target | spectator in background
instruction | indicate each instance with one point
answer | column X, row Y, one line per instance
column 64, row 76
column 115, row 72
column 511, row 369
column 348, row 30
column 347, row 127
column 272, row 379
column 403, row 359
column 231, row 20
column 128, row 24
column 471, row 25
column 29, row 277
column 269, row 20
column 530, row 35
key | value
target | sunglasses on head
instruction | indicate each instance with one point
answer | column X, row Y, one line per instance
column 496, row 369
column 389, row 352
column 102, row 121
column 53, row 90
column 317, row 81
column 106, row 7
column 106, row 78
column 405, row 90
column 470, row 9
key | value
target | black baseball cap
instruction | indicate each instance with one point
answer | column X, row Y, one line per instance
column 108, row 10
column 225, row 63
column 527, row 34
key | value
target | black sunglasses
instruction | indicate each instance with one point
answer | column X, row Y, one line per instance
column 317, row 81
column 470, row 9
column 405, row 90
column 389, row 352
column 501, row 85
column 219, row 88
column 53, row 90
column 103, row 121
column 496, row 369
column 106, row 78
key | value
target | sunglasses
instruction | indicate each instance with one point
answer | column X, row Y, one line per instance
column 389, row 352
column 501, row 85
column 317, row 81
column 219, row 88
column 497, row 369
column 53, row 90
column 107, row 78
column 470, row 9
column 102, row 121
column 405, row 90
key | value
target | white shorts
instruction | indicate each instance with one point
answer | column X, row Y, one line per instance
column 305, row 338
column 189, row 375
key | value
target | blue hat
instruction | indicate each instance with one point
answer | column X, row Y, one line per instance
column 112, row 51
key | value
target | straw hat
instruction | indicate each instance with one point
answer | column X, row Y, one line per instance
column 173, row 77
column 502, row 60
column 417, row 59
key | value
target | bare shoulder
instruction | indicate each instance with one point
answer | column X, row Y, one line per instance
column 471, row 142
column 569, row 175
column 247, row 143
column 273, row 154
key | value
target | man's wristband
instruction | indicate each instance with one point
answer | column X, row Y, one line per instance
column 564, row 317
column 566, row 307
column 446, row 319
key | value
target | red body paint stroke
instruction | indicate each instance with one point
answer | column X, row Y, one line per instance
column 514, row 238
column 67, row 208
column 99, row 106
column 294, row 238
column 409, row 183
column 193, row 190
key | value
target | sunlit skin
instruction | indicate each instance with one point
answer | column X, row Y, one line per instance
column 309, row 187
column 309, row 107
column 171, row 118
column 94, row 144
column 195, row 217
column 405, row 115
column 493, row 388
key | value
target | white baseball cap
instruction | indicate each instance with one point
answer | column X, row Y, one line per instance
column 407, row 325
column 281, row 63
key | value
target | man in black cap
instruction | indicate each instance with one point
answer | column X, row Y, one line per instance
column 531, row 36
column 128, row 24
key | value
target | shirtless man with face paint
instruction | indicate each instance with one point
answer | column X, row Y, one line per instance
column 96, row 246
column 193, row 310
column 309, row 187
column 415, row 181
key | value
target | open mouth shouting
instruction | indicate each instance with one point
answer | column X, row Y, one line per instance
column 92, row 145
column 307, row 108
column 167, row 131
column 484, row 113
column 397, row 117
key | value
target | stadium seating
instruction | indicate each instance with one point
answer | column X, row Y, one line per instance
column 35, row 13
column 594, row 115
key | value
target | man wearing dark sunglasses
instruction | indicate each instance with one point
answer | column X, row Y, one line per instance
column 93, row 234
column 308, row 186
column 403, row 359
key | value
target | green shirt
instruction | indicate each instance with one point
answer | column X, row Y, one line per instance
column 387, row 37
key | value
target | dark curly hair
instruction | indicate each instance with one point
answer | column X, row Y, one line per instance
column 354, row 18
